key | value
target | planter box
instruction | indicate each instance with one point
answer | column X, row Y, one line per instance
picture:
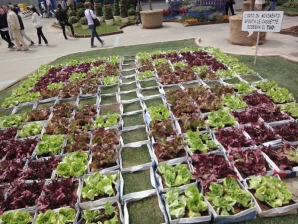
column 76, row 24
column 85, row 27
column 151, row 18
column 120, row 216
column 199, row 219
column 245, row 215
column 97, row 202
column 280, row 211
column 162, row 188
column 109, row 22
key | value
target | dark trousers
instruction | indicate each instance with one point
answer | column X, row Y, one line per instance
column 66, row 23
column 40, row 35
column 138, row 20
column 229, row 5
column 94, row 34
column 5, row 36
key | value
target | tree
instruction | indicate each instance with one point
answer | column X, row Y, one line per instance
column 252, row 5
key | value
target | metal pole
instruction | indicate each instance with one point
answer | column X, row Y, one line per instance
column 257, row 47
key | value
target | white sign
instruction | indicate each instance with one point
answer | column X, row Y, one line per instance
column 262, row 21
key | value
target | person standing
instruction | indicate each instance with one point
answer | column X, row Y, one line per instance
column 37, row 24
column 260, row 5
column 135, row 2
column 272, row 5
column 138, row 10
column 63, row 5
column 229, row 4
column 4, row 31
column 23, row 28
column 49, row 8
column 62, row 18
column 44, row 8
column 90, row 16
column 14, row 26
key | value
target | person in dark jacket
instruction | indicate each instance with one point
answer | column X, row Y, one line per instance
column 229, row 4
column 23, row 28
column 4, row 29
column 138, row 10
column 63, row 20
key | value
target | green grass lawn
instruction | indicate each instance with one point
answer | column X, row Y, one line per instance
column 103, row 29
column 289, row 10
column 282, row 71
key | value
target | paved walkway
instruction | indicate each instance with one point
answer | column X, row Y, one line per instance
column 15, row 65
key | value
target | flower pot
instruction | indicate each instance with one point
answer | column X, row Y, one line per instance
column 117, row 18
column 239, row 37
column 151, row 18
column 109, row 22
column 101, row 18
column 85, row 27
column 132, row 17
column 76, row 24
column 124, row 20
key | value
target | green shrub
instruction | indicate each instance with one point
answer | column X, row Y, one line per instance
column 73, row 19
column 72, row 13
column 98, row 9
column 81, row 12
column 80, row 5
column 123, row 9
column 108, row 13
column 84, row 21
column 291, row 3
column 116, row 8
column 131, row 12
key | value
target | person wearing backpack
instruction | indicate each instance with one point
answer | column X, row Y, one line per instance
column 63, row 20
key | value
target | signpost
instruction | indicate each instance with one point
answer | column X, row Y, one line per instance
column 261, row 21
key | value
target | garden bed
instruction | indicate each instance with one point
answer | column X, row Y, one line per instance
column 156, row 119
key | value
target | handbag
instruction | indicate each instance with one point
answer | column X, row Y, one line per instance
column 95, row 21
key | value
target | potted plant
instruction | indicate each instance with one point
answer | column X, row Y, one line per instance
column 74, row 21
column 151, row 18
column 116, row 11
column 131, row 13
column 81, row 12
column 71, row 4
column 98, row 10
column 123, row 12
column 108, row 14
column 84, row 23
column 72, row 12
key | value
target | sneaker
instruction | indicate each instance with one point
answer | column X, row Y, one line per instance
column 93, row 46
column 75, row 34
column 11, row 45
column 47, row 44
column 66, row 38
column 39, row 44
column 32, row 43
column 18, row 49
column 25, row 49
column 102, row 42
